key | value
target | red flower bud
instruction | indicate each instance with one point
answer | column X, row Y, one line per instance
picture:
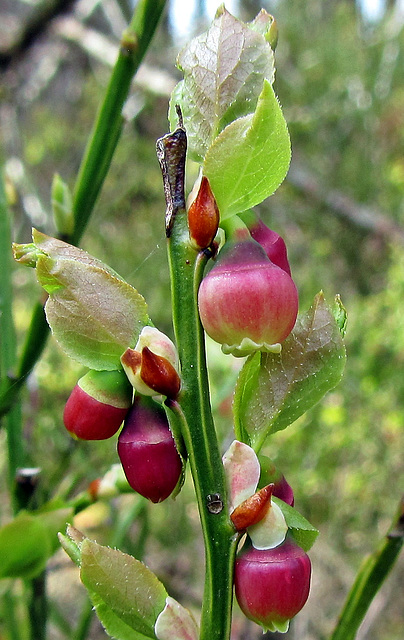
column 147, row 451
column 272, row 585
column 203, row 217
column 98, row 405
column 246, row 302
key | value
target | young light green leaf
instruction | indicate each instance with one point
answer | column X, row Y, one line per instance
column 93, row 313
column 273, row 390
column 250, row 158
column 224, row 69
column 124, row 584
column 24, row 547
column 303, row 532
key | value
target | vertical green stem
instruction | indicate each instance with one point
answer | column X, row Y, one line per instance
column 370, row 578
column 108, row 124
column 38, row 607
column 199, row 433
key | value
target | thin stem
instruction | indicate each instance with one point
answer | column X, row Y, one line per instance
column 108, row 125
column 370, row 578
column 199, row 434
column 38, row 607
column 8, row 348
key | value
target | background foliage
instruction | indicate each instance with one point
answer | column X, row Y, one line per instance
column 340, row 79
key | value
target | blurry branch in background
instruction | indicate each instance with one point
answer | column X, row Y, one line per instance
column 340, row 204
column 104, row 49
column 35, row 26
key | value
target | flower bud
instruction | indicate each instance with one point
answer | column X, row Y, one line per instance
column 152, row 366
column 147, row 451
column 273, row 244
column 271, row 475
column 246, row 302
column 203, row 217
column 98, row 405
column 272, row 585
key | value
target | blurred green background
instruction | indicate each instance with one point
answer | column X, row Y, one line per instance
column 340, row 80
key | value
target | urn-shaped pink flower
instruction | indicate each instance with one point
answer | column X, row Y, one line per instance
column 147, row 451
column 98, row 405
column 272, row 585
column 246, row 302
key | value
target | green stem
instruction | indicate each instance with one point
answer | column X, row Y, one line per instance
column 108, row 124
column 8, row 348
column 371, row 575
column 186, row 268
column 38, row 607
column 92, row 172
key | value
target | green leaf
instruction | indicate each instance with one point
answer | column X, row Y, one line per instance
column 303, row 532
column 273, row 390
column 224, row 69
column 124, row 584
column 54, row 521
column 250, row 158
column 24, row 547
column 93, row 313
column 113, row 625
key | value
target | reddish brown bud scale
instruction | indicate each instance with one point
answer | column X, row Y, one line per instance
column 252, row 510
column 159, row 374
column 203, row 217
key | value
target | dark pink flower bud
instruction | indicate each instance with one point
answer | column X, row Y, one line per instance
column 270, row 474
column 273, row 244
column 246, row 302
column 147, row 451
column 98, row 405
column 272, row 585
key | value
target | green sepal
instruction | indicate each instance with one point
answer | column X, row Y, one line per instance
column 302, row 531
column 109, row 387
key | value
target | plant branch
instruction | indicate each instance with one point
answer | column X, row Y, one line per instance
column 370, row 578
column 198, row 430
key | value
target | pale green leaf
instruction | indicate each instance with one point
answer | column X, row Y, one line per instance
column 224, row 69
column 273, row 390
column 250, row 158
column 124, row 584
column 93, row 313
column 114, row 626
column 24, row 547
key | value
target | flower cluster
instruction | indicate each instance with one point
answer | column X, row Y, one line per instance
column 102, row 400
